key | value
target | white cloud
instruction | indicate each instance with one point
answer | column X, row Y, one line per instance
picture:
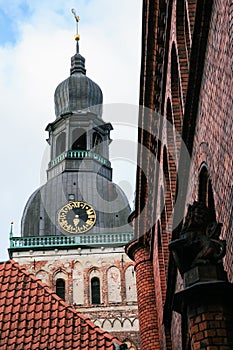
column 31, row 70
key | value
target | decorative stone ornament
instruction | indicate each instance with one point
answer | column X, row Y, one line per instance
column 199, row 242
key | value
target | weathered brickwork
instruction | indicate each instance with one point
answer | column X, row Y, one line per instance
column 186, row 77
column 213, row 143
column 209, row 331
column 147, row 310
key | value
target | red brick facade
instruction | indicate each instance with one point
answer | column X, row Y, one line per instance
column 186, row 77
column 213, row 143
column 209, row 328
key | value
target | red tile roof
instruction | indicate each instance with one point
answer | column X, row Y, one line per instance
column 33, row 317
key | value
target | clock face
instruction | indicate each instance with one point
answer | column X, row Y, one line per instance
column 77, row 217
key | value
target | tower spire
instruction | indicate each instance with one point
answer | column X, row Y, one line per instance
column 77, row 61
column 77, row 35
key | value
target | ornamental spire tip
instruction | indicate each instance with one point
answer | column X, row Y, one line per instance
column 77, row 36
column 77, row 19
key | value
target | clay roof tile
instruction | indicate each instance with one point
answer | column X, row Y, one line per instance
column 34, row 317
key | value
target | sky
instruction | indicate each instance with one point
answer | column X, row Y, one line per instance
column 36, row 43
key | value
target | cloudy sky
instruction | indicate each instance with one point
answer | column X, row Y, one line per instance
column 36, row 43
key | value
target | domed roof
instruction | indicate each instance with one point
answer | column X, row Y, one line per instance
column 108, row 200
column 78, row 92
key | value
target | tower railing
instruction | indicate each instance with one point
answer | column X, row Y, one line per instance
column 102, row 239
column 79, row 154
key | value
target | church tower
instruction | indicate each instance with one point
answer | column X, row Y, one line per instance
column 74, row 227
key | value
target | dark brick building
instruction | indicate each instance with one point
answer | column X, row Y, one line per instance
column 185, row 157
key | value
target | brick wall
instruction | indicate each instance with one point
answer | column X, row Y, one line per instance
column 193, row 50
column 147, row 309
column 213, row 142
column 209, row 330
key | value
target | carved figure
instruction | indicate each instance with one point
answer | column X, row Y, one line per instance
column 199, row 241
column 212, row 248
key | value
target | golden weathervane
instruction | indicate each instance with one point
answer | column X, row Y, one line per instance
column 77, row 19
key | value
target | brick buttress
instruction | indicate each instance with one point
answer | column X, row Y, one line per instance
column 148, row 321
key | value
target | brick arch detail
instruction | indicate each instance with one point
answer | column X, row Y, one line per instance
column 91, row 273
column 114, row 284
column 130, row 286
column 172, row 147
column 191, row 10
column 161, row 264
column 203, row 154
column 202, row 157
column 94, row 272
column 183, row 43
column 60, row 273
column 63, row 275
column 43, row 276
column 78, row 283
column 167, row 188
column 176, row 95
column 107, row 324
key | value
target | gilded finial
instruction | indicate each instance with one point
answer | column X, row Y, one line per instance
column 77, row 19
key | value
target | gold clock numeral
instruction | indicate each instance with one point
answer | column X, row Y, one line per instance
column 89, row 222
column 77, row 217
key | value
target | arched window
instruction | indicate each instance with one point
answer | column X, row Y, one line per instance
column 130, row 284
column 203, row 184
column 61, row 144
column 78, row 283
column 114, row 285
column 79, row 139
column 95, row 290
column 96, row 142
column 60, row 288
column 97, row 139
